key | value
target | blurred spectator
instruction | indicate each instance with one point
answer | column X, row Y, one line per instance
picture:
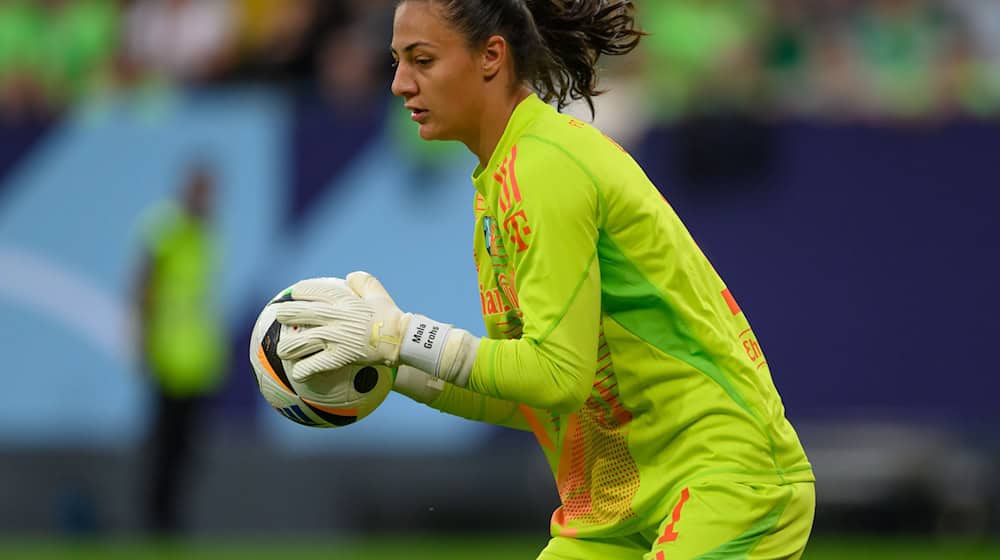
column 187, row 40
column 80, row 46
column 885, row 60
column 278, row 40
column 346, row 72
column 55, row 52
column 20, row 26
column 901, row 43
column 702, row 53
column 183, row 343
column 835, row 88
column 975, row 59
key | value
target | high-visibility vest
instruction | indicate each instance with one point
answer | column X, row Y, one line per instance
column 185, row 344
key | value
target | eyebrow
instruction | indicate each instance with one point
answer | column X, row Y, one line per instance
column 412, row 46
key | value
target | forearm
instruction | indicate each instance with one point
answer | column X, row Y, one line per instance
column 457, row 401
column 531, row 373
column 480, row 408
column 552, row 366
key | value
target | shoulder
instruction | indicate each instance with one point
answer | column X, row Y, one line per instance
column 557, row 141
column 158, row 221
column 545, row 178
column 539, row 164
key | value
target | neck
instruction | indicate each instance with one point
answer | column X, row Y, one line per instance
column 493, row 125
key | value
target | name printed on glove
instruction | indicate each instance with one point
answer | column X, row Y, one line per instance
column 418, row 335
column 423, row 343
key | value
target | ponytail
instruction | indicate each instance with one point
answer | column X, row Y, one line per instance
column 573, row 35
column 556, row 44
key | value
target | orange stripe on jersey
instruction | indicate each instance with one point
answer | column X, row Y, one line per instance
column 536, row 427
column 669, row 535
column 559, row 520
column 731, row 301
column 573, row 476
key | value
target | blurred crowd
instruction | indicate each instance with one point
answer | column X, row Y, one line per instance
column 838, row 59
column 885, row 60
column 57, row 53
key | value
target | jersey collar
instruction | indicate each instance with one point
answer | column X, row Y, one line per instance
column 524, row 114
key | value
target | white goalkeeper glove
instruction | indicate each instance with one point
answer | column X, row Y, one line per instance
column 356, row 322
column 418, row 385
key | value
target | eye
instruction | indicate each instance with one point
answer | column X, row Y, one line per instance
column 423, row 61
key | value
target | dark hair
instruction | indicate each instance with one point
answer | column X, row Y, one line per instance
column 556, row 44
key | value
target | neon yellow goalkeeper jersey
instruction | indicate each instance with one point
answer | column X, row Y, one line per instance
column 633, row 364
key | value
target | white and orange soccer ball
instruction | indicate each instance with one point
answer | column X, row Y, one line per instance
column 325, row 400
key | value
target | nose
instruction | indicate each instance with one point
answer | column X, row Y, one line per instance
column 403, row 84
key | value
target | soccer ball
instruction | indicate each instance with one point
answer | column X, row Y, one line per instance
column 326, row 400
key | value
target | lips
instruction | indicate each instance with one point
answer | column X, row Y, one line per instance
column 417, row 114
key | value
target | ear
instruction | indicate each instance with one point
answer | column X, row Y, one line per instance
column 494, row 56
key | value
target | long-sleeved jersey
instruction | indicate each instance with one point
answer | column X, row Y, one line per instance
column 627, row 355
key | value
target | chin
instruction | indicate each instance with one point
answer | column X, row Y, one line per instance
column 430, row 131
column 427, row 133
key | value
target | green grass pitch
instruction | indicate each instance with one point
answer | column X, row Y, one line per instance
column 513, row 547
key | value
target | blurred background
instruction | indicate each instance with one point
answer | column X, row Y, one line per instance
column 835, row 159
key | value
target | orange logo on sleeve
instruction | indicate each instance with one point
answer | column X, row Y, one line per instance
column 506, row 176
column 752, row 348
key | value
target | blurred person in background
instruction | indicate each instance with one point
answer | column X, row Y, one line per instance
column 610, row 335
column 189, row 41
column 704, row 70
column 55, row 53
column 902, row 45
column 835, row 86
column 20, row 87
column 703, row 54
column 278, row 40
column 973, row 75
column 183, row 341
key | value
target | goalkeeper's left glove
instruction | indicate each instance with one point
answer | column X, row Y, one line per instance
column 357, row 322
column 418, row 385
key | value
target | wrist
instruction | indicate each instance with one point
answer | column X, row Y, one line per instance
column 417, row 385
column 458, row 357
column 424, row 340
column 439, row 349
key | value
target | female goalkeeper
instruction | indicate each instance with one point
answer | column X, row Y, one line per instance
column 610, row 336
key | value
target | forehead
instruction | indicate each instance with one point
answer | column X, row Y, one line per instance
column 422, row 21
